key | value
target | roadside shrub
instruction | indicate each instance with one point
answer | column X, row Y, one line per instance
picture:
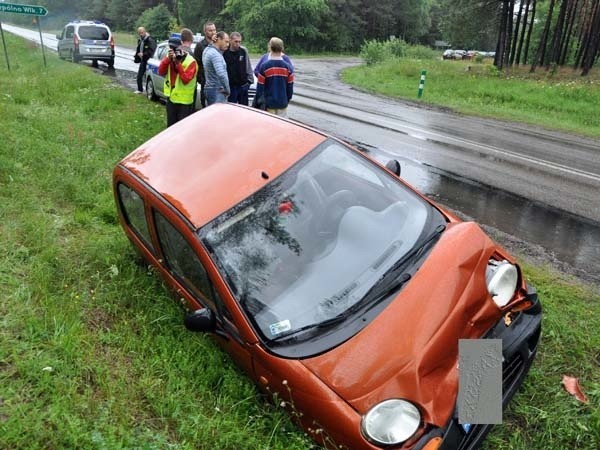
column 157, row 21
column 420, row 52
column 373, row 52
column 396, row 47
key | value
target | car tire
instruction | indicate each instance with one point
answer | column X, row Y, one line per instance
column 94, row 63
column 150, row 92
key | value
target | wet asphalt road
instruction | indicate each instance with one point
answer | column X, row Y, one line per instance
column 539, row 186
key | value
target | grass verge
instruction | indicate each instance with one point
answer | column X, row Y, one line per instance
column 93, row 353
column 562, row 100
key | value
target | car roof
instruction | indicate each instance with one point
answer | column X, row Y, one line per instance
column 215, row 158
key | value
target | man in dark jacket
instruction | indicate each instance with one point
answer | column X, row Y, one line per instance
column 144, row 51
column 210, row 36
column 239, row 70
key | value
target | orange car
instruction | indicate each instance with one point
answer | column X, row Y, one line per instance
column 330, row 281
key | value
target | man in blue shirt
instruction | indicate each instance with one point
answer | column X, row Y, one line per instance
column 215, row 70
column 275, row 80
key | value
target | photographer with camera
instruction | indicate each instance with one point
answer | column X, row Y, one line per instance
column 179, row 69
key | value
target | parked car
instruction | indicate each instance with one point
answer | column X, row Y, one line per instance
column 86, row 40
column 155, row 83
column 448, row 54
column 459, row 54
column 337, row 287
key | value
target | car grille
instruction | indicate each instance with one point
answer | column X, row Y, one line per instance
column 511, row 371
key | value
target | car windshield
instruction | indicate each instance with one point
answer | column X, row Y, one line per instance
column 311, row 244
column 91, row 32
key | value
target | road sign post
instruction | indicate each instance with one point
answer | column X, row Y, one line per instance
column 30, row 10
column 4, row 45
column 421, row 83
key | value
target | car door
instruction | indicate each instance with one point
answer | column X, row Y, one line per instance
column 186, row 273
column 67, row 41
column 152, row 68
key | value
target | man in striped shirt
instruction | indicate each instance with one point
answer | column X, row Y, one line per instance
column 275, row 80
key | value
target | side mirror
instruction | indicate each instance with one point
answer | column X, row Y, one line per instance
column 394, row 166
column 202, row 320
column 58, row 36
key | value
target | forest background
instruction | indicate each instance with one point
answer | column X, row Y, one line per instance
column 547, row 33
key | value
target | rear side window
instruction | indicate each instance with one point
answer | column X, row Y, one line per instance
column 132, row 206
column 91, row 32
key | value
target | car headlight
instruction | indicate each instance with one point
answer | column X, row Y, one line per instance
column 501, row 278
column 391, row 422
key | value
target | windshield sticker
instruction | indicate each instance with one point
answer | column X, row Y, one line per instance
column 280, row 327
column 389, row 252
column 235, row 219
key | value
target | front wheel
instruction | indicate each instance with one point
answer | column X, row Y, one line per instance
column 150, row 93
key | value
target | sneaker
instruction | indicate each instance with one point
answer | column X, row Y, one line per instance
column 138, row 92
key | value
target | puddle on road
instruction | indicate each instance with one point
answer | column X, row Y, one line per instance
column 567, row 238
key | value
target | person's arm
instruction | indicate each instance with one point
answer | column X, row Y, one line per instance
column 249, row 72
column 290, row 84
column 151, row 47
column 260, row 84
column 262, row 59
column 221, row 69
column 163, row 67
column 198, row 57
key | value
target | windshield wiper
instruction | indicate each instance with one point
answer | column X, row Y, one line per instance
column 395, row 276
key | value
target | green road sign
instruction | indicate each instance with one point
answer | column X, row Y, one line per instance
column 30, row 10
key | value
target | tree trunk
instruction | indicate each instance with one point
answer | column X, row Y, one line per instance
column 501, row 45
column 529, row 32
column 585, row 33
column 540, row 54
column 516, row 35
column 557, row 35
column 591, row 52
column 509, row 30
column 564, row 52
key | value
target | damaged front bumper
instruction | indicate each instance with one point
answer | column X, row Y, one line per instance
column 520, row 340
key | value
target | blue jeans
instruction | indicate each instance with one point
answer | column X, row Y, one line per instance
column 214, row 95
column 239, row 94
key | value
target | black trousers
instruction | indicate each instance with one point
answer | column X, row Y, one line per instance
column 140, row 76
column 177, row 111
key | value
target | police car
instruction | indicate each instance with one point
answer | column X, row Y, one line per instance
column 86, row 40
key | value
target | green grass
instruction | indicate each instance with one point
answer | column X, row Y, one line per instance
column 123, row 39
column 93, row 353
column 562, row 101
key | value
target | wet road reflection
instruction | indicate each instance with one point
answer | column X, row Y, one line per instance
column 567, row 238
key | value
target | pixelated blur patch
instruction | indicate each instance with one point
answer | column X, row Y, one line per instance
column 479, row 381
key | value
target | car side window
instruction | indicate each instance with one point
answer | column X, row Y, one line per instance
column 161, row 52
column 68, row 32
column 132, row 206
column 181, row 258
column 185, row 264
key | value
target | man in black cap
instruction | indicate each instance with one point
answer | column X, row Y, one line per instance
column 179, row 69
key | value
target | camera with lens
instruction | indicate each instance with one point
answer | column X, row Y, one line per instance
column 174, row 44
column 179, row 54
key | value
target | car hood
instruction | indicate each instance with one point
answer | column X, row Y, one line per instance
column 410, row 350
